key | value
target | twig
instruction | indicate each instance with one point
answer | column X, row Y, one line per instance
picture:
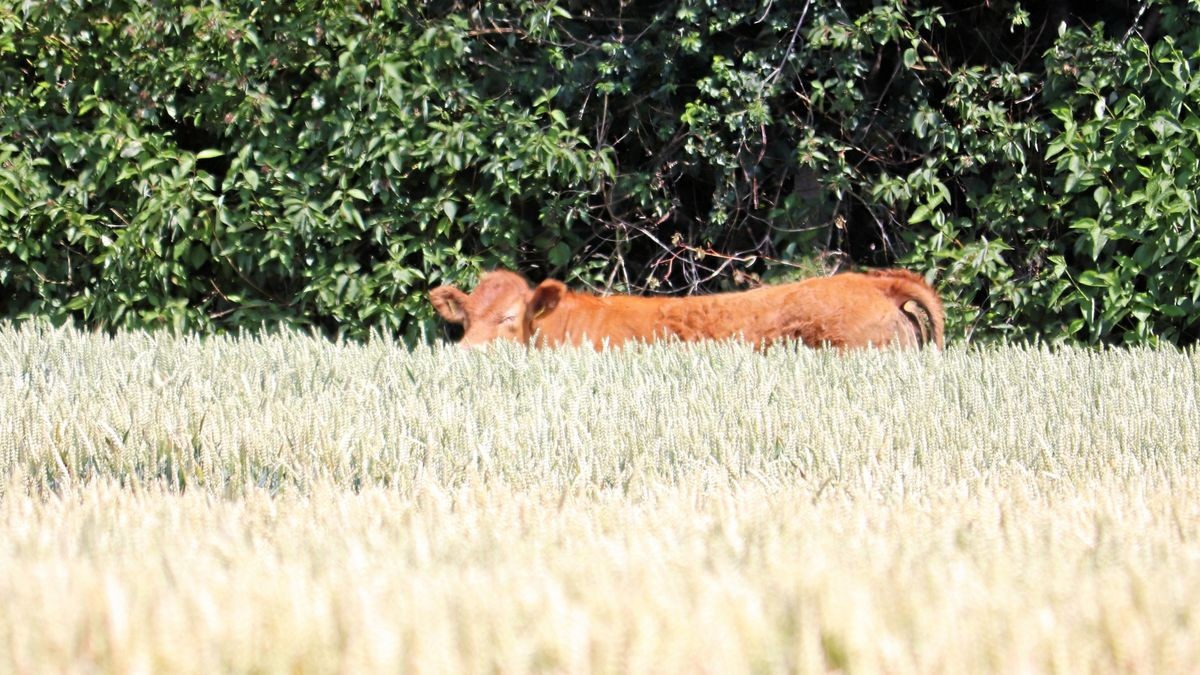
column 766, row 11
column 1137, row 19
column 791, row 44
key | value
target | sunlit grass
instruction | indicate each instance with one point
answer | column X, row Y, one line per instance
column 287, row 504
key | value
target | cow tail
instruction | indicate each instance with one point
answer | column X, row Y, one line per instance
column 917, row 301
column 922, row 321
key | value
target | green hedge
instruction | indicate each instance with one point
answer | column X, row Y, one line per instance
column 208, row 166
column 214, row 166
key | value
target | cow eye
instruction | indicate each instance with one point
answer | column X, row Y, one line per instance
column 509, row 318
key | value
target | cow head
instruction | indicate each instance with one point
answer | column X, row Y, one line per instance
column 496, row 309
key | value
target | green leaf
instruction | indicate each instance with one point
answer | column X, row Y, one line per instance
column 559, row 255
column 1095, row 278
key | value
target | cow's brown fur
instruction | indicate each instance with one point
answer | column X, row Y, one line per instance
column 878, row 308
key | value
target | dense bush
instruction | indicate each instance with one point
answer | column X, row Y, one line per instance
column 325, row 163
column 1076, row 217
column 224, row 165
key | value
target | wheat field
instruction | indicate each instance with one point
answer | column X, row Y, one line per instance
column 282, row 503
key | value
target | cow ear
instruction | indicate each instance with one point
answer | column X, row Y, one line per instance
column 545, row 298
column 450, row 303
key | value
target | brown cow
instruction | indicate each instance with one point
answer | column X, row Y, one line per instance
column 879, row 308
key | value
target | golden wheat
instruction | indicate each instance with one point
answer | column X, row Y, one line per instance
column 283, row 503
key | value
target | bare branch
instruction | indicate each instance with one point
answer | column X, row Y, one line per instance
column 791, row 44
